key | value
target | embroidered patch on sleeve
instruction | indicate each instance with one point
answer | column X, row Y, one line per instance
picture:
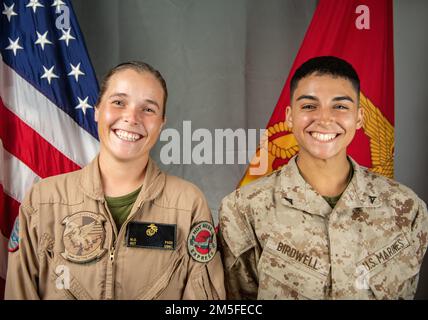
column 13, row 244
column 202, row 242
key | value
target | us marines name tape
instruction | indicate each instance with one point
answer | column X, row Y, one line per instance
column 386, row 253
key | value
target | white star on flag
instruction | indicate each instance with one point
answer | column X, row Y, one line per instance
column 14, row 45
column 49, row 74
column 57, row 4
column 34, row 4
column 42, row 40
column 75, row 71
column 83, row 104
column 8, row 11
column 66, row 36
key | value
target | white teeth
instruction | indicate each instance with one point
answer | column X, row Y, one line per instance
column 127, row 136
column 323, row 136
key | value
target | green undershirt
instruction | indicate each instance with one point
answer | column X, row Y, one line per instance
column 120, row 207
column 332, row 201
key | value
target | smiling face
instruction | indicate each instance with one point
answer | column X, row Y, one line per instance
column 130, row 115
column 324, row 116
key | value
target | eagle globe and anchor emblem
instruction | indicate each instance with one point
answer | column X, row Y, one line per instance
column 151, row 230
column 83, row 237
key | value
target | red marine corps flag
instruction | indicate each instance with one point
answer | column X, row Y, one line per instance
column 361, row 32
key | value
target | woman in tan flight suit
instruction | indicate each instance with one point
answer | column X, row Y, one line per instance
column 119, row 228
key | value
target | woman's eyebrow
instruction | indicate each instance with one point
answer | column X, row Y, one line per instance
column 118, row 94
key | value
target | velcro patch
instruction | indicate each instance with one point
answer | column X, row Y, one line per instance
column 83, row 237
column 151, row 235
column 13, row 244
column 202, row 242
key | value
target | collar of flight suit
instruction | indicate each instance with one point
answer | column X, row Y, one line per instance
column 297, row 193
column 91, row 183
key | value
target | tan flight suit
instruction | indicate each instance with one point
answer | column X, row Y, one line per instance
column 55, row 232
column 281, row 240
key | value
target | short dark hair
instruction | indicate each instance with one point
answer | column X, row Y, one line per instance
column 326, row 65
column 138, row 66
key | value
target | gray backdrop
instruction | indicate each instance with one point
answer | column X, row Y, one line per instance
column 225, row 63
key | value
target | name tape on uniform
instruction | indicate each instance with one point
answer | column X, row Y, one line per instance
column 293, row 253
column 151, row 235
column 385, row 254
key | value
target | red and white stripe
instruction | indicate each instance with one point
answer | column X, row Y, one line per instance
column 37, row 140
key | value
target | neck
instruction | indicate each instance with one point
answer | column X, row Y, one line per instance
column 328, row 177
column 121, row 177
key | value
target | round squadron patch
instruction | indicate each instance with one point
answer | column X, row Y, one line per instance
column 202, row 242
column 83, row 237
column 13, row 244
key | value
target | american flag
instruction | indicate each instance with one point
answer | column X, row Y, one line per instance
column 48, row 90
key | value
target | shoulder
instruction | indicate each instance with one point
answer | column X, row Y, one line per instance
column 236, row 212
column 254, row 194
column 260, row 189
column 388, row 189
column 55, row 189
column 181, row 193
column 181, row 185
column 399, row 198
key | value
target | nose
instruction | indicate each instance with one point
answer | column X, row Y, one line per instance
column 325, row 115
column 131, row 116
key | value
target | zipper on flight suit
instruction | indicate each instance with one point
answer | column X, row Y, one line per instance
column 109, row 286
column 114, row 244
column 112, row 254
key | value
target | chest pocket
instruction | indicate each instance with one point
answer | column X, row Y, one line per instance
column 393, row 270
column 160, row 282
column 287, row 273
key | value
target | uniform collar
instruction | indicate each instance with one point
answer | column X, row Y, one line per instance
column 361, row 191
column 90, row 180
column 91, row 183
column 295, row 192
